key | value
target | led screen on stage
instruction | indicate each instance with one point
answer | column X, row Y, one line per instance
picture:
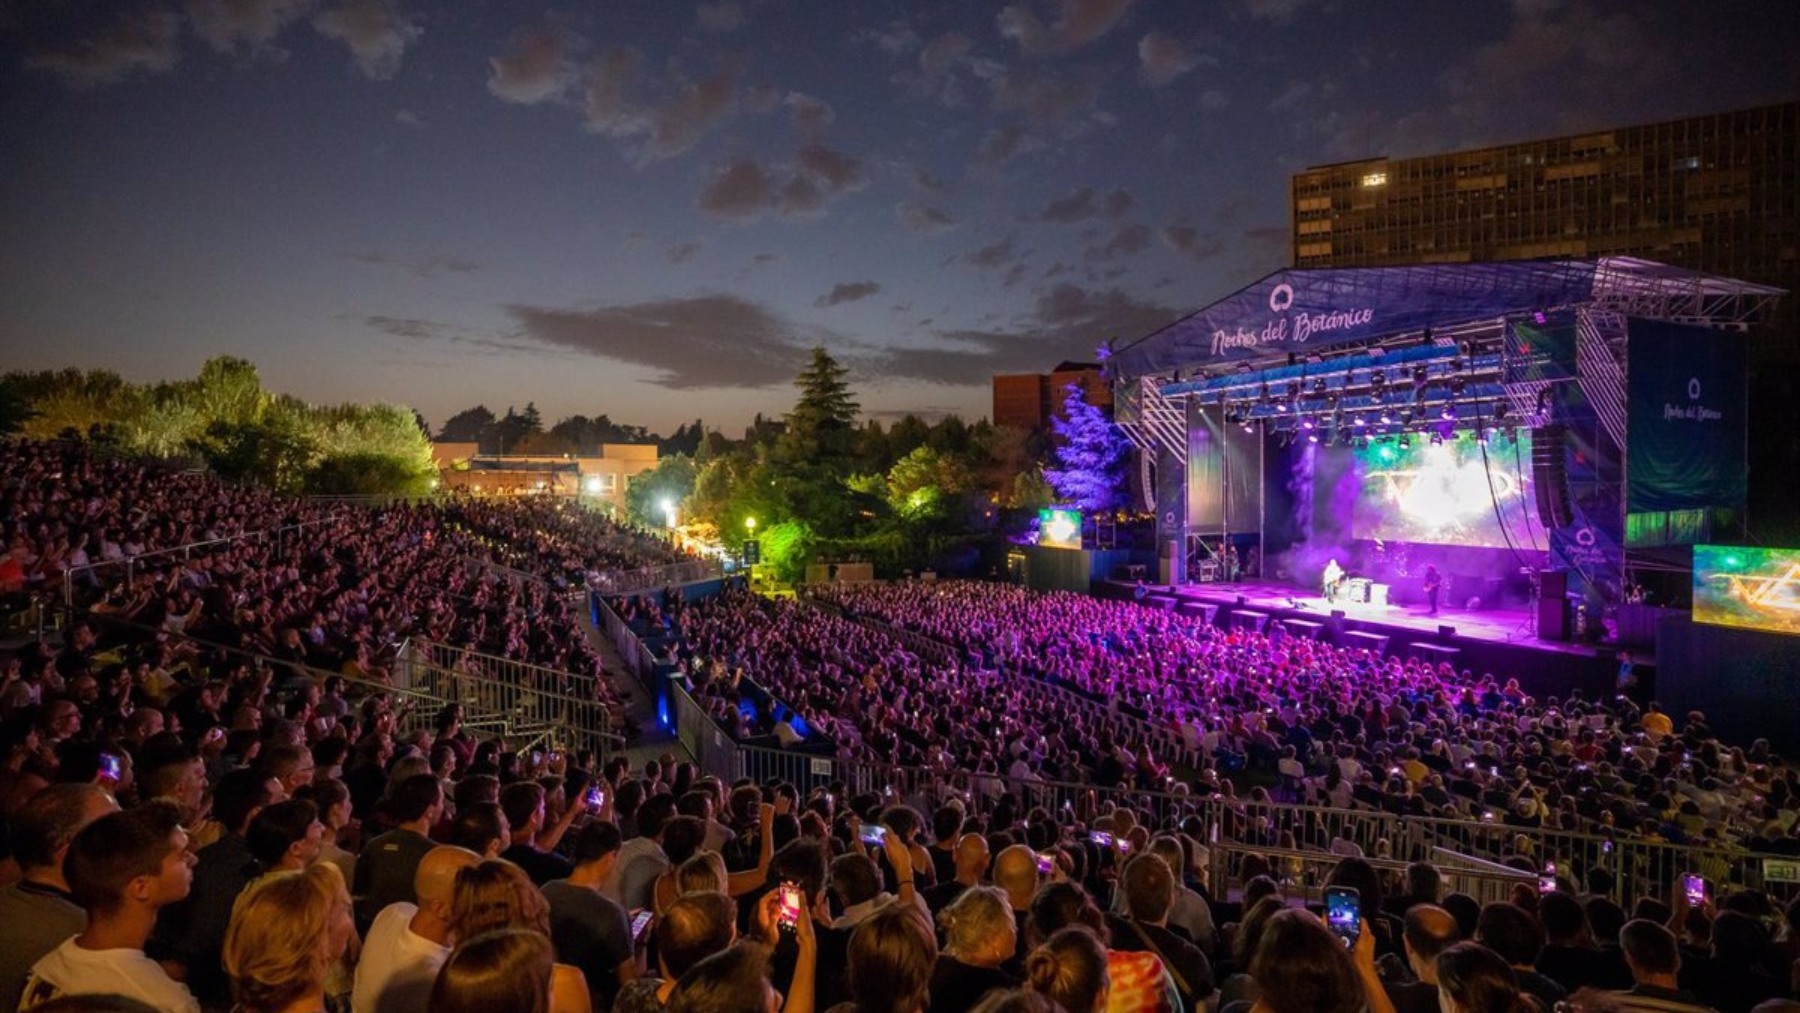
column 1756, row 589
column 1059, row 529
column 1447, row 494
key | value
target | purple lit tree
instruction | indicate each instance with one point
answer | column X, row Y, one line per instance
column 1090, row 456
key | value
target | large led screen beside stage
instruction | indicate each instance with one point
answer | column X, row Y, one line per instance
column 1756, row 589
column 1447, row 494
column 1059, row 528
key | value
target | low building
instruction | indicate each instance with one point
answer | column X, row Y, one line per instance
column 1031, row 400
column 601, row 480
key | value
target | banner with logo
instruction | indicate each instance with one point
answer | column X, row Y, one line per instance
column 1300, row 311
column 1686, row 417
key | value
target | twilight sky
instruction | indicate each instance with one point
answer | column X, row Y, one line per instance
column 651, row 208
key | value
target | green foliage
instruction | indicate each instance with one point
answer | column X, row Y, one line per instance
column 786, row 548
column 277, row 451
column 15, row 406
column 672, row 480
column 225, row 418
column 369, row 474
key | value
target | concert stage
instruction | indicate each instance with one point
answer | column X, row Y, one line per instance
column 1500, row 641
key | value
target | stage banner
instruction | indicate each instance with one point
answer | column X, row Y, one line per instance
column 1224, row 473
column 1686, row 417
column 1301, row 311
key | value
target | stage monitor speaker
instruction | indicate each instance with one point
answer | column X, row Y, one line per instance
column 1553, row 584
column 1242, row 600
column 1553, row 618
column 1446, row 631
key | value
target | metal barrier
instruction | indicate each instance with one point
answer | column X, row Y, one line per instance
column 487, row 567
column 531, row 699
column 1639, row 867
column 88, row 574
column 638, row 656
column 655, row 577
column 1303, row 873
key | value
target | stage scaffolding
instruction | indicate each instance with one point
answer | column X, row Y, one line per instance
column 1465, row 336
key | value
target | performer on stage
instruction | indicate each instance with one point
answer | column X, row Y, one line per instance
column 1434, row 583
column 1334, row 577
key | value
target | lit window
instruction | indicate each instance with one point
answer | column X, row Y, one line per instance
column 1374, row 179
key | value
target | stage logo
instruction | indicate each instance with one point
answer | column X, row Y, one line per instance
column 1283, row 329
column 1281, row 297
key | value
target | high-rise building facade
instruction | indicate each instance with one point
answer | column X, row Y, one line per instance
column 1718, row 193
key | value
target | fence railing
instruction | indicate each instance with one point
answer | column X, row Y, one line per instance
column 88, row 575
column 1304, row 873
column 638, row 656
column 1638, row 866
column 654, row 577
column 534, row 701
column 476, row 566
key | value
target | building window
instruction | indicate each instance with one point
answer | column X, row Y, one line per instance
column 1374, row 179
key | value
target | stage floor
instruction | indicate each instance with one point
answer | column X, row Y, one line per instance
column 1497, row 625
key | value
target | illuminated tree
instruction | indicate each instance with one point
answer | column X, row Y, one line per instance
column 1090, row 456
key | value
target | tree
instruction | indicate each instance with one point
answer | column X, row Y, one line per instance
column 471, row 425
column 1090, row 455
column 15, row 405
column 670, row 481
column 275, row 451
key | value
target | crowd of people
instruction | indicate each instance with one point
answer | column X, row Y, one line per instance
column 214, row 801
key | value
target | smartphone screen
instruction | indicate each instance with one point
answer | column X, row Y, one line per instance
column 1343, row 913
column 1547, row 881
column 1695, row 888
column 640, row 922
column 1101, row 838
column 787, row 915
column 1046, row 864
column 873, row 833
column 596, row 798
column 109, row 767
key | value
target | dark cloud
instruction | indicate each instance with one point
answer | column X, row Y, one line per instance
column 1125, row 241
column 407, row 327
column 766, row 258
column 1001, row 145
column 681, row 253
column 231, row 26
column 1077, row 23
column 993, row 255
column 928, row 183
column 1078, row 206
column 920, row 218
column 678, row 125
column 1064, row 98
column 847, row 291
column 740, row 190
column 712, row 341
column 667, row 116
column 482, row 342
column 376, row 32
column 536, row 67
column 1162, row 59
column 811, row 115
column 1119, row 203
column 943, row 52
column 1187, row 241
column 610, row 108
column 745, row 189
column 1066, row 322
column 143, row 41
column 724, row 16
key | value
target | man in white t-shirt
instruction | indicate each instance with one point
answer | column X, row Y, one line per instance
column 122, row 868
column 408, row 943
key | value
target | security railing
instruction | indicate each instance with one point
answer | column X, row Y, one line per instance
column 655, row 577
column 534, row 701
column 1303, row 874
column 1639, row 867
column 89, row 575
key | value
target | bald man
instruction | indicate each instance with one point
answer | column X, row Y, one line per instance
column 971, row 860
column 409, row 942
column 1430, row 930
column 1016, row 873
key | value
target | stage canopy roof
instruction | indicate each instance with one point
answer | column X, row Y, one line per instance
column 1302, row 312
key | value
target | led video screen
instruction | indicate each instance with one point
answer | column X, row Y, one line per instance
column 1059, row 529
column 1755, row 589
column 1446, row 494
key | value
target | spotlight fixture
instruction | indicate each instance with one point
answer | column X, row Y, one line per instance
column 1312, row 437
column 1359, row 421
column 1281, row 406
column 1308, row 423
column 1405, row 442
column 1387, row 417
column 1319, row 385
column 1437, row 438
column 1420, row 375
column 1406, row 415
column 1263, row 395
column 1293, row 389
column 1500, row 409
column 1448, row 413
column 1456, row 386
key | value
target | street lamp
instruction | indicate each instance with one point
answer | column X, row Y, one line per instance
column 750, row 523
column 668, row 509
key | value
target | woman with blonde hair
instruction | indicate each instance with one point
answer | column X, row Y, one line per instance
column 499, row 972
column 286, row 931
column 496, row 894
column 979, row 935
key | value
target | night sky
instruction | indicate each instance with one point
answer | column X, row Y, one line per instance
column 651, row 209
